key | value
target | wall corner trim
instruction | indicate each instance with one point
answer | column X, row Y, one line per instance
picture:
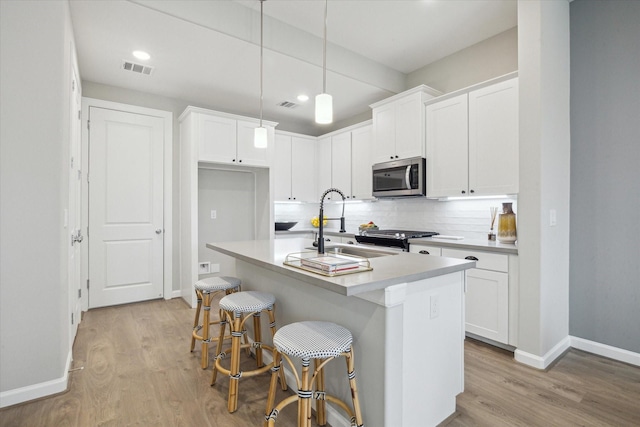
column 605, row 350
column 36, row 391
column 542, row 362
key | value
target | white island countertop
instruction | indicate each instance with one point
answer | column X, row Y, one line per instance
column 387, row 270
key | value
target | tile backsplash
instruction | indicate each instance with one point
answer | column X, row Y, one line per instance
column 468, row 218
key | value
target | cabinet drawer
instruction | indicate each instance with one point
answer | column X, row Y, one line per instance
column 485, row 260
column 425, row 250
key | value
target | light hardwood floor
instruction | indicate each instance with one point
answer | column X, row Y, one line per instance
column 138, row 371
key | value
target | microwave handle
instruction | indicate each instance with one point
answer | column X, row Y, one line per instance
column 407, row 177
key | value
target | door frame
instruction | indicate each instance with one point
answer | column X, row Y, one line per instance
column 167, row 117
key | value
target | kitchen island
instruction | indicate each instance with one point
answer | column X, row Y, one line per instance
column 406, row 316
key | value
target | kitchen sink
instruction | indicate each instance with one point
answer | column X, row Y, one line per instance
column 357, row 251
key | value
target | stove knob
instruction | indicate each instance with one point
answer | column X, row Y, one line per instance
column 402, row 236
column 397, row 235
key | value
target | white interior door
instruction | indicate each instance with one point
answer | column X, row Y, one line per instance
column 125, row 207
column 74, row 215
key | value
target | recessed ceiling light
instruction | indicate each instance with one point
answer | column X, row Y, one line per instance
column 142, row 55
column 303, row 98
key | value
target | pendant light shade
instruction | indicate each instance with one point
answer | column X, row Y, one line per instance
column 324, row 108
column 324, row 101
column 260, row 139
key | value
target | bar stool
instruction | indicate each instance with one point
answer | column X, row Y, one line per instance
column 236, row 309
column 321, row 341
column 206, row 289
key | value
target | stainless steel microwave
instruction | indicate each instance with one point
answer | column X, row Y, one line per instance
column 400, row 178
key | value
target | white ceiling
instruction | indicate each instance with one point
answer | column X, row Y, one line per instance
column 207, row 52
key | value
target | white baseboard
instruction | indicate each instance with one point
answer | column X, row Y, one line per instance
column 542, row 362
column 605, row 350
column 176, row 294
column 36, row 391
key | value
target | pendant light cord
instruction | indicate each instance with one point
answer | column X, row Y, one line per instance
column 324, row 51
column 261, row 48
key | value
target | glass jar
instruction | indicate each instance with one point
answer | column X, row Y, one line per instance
column 507, row 225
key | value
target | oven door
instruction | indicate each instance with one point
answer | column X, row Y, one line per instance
column 400, row 178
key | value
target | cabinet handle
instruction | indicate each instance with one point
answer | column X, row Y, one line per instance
column 463, row 192
column 471, row 191
column 350, row 242
column 233, row 160
column 396, row 157
column 391, row 157
column 424, row 252
column 471, row 258
column 240, row 161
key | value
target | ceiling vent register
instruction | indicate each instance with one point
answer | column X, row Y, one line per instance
column 288, row 104
column 137, row 68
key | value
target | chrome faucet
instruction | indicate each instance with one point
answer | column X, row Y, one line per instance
column 321, row 218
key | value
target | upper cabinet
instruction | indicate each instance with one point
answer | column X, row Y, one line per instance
column 294, row 168
column 225, row 138
column 398, row 125
column 472, row 142
column 345, row 162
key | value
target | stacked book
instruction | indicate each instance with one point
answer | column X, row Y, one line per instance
column 331, row 264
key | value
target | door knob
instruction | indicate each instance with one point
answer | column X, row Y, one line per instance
column 158, row 230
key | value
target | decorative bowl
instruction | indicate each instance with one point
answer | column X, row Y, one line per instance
column 283, row 226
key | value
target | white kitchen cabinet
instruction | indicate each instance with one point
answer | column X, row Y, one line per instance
column 487, row 294
column 399, row 125
column 361, row 179
column 472, row 142
column 294, row 168
column 323, row 151
column 226, row 138
column 341, row 163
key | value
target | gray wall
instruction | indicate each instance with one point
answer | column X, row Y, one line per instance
column 493, row 57
column 605, row 172
column 35, row 47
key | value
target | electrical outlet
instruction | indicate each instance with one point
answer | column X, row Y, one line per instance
column 204, row 267
column 434, row 306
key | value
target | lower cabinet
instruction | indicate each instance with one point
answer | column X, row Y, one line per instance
column 491, row 297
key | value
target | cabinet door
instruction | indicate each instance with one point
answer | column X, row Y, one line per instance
column 487, row 304
column 282, row 168
column 341, row 163
column 493, row 139
column 409, row 127
column 361, row 175
column 447, row 145
column 303, row 170
column 216, row 139
column 248, row 154
column 384, row 133
column 323, row 147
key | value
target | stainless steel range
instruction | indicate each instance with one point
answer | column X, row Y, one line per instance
column 392, row 238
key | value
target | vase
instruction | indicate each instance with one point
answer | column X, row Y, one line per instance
column 507, row 225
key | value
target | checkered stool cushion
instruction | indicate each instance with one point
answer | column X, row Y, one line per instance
column 313, row 340
column 213, row 284
column 247, row 302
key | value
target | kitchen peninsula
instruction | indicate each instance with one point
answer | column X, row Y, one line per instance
column 406, row 316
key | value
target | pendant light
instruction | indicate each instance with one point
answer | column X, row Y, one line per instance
column 324, row 101
column 260, row 135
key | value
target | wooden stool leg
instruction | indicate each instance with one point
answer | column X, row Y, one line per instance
column 304, row 396
column 206, row 305
column 321, row 417
column 224, row 320
column 196, row 321
column 272, row 385
column 354, row 388
column 272, row 327
column 257, row 338
column 234, row 375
